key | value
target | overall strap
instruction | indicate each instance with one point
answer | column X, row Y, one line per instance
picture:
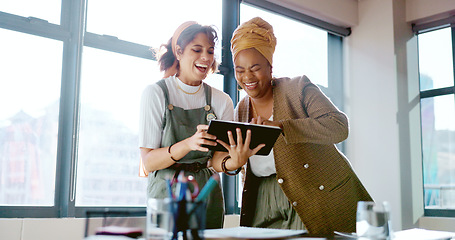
column 162, row 84
column 208, row 93
column 210, row 115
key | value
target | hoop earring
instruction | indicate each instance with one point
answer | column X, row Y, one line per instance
column 272, row 82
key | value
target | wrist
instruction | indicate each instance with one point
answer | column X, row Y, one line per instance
column 170, row 153
column 225, row 170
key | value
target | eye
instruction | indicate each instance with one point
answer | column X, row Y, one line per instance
column 197, row 50
column 255, row 68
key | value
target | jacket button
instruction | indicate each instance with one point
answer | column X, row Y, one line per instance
column 280, row 181
column 321, row 187
column 306, row 165
column 294, row 204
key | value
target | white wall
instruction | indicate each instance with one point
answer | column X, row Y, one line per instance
column 424, row 10
column 326, row 10
column 371, row 103
column 382, row 103
column 49, row 229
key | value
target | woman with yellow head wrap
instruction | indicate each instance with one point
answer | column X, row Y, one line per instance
column 305, row 182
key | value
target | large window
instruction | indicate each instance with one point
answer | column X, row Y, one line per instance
column 29, row 111
column 49, row 10
column 69, row 105
column 438, row 120
column 110, row 92
column 111, row 86
column 71, row 79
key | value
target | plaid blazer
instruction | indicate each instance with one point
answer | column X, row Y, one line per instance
column 317, row 179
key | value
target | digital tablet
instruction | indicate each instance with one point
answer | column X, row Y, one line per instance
column 259, row 134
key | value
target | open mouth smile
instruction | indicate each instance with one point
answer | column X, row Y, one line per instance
column 251, row 85
column 202, row 67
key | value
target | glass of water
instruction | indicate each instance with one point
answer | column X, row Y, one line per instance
column 373, row 221
column 159, row 220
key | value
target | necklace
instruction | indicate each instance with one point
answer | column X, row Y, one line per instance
column 255, row 113
column 190, row 93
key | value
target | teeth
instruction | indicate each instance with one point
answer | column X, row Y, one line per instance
column 251, row 84
column 201, row 65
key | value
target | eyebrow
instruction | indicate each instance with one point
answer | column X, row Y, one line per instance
column 254, row 65
column 199, row 45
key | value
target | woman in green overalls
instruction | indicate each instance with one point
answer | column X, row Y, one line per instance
column 175, row 112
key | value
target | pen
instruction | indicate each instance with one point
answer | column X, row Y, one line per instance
column 180, row 211
column 181, row 186
column 171, row 197
column 208, row 187
column 169, row 188
column 205, row 191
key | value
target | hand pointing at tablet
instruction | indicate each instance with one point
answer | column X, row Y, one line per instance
column 261, row 121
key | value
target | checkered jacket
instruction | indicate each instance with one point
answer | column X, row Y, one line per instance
column 316, row 177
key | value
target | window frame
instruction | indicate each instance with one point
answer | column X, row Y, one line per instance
column 71, row 32
column 436, row 92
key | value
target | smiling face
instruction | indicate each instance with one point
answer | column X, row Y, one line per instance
column 195, row 60
column 253, row 73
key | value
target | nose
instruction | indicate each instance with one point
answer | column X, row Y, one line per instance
column 205, row 56
column 248, row 75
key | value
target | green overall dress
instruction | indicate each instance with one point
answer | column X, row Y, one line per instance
column 180, row 124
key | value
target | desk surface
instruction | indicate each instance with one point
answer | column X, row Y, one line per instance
column 236, row 234
column 299, row 237
column 263, row 234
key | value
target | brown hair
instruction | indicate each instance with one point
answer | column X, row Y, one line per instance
column 166, row 57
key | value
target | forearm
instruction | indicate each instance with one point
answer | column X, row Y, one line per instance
column 161, row 158
column 217, row 158
column 328, row 129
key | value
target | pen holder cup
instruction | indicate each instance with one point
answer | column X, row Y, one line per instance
column 189, row 219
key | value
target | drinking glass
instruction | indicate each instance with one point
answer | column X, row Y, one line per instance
column 159, row 220
column 373, row 221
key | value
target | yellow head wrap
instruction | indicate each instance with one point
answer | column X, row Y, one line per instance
column 255, row 33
